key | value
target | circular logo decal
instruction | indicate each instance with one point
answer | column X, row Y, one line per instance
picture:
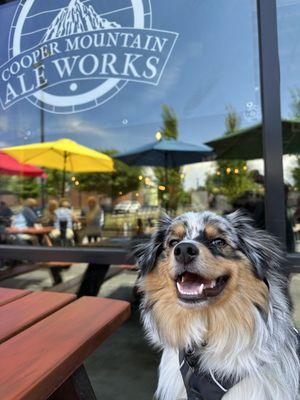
column 75, row 29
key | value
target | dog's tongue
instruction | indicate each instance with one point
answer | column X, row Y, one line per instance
column 193, row 284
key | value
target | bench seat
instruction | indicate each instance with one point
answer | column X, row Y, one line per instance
column 18, row 315
column 41, row 358
column 8, row 295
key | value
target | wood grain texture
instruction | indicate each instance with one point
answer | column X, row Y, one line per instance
column 41, row 358
column 8, row 295
column 76, row 387
column 24, row 312
column 17, row 270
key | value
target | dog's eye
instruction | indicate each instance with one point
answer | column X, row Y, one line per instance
column 218, row 242
column 173, row 242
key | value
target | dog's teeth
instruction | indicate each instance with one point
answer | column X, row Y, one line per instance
column 200, row 290
column 213, row 284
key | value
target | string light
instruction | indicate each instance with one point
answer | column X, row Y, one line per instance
column 140, row 177
column 76, row 183
column 161, row 187
column 73, row 179
column 158, row 136
column 137, row 195
column 147, row 181
column 235, row 170
column 120, row 193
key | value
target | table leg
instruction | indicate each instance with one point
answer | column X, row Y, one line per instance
column 77, row 387
column 92, row 279
column 55, row 273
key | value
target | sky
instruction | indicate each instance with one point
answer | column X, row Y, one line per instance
column 213, row 66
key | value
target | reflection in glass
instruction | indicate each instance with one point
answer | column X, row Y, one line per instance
column 288, row 35
column 211, row 88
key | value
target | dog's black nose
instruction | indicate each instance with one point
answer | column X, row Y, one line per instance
column 185, row 252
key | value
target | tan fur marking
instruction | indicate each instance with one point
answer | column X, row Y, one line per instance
column 226, row 314
column 211, row 231
column 178, row 230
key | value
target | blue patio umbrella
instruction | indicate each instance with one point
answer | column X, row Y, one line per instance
column 166, row 153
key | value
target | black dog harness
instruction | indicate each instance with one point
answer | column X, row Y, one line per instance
column 201, row 385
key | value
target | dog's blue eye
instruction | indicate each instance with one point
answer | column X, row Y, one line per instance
column 173, row 242
column 218, row 242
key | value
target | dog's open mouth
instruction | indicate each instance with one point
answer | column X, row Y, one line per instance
column 194, row 287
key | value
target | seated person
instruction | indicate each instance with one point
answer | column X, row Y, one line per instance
column 27, row 218
column 29, row 212
column 63, row 224
column 49, row 216
column 94, row 220
column 5, row 214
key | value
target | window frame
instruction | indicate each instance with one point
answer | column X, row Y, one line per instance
column 272, row 151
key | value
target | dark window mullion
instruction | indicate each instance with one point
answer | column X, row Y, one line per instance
column 271, row 118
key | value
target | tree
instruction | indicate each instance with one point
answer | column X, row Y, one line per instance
column 296, row 175
column 295, row 94
column 5, row 182
column 296, row 115
column 53, row 183
column 123, row 180
column 26, row 187
column 174, row 195
column 231, row 177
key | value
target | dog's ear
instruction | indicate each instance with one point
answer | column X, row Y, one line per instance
column 261, row 248
column 147, row 253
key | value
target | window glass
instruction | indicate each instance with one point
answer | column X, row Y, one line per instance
column 114, row 76
column 288, row 13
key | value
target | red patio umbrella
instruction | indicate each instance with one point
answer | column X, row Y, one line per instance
column 10, row 166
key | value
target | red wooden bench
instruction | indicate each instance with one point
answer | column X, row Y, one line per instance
column 8, row 295
column 45, row 339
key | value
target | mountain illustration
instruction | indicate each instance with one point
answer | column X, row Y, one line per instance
column 76, row 18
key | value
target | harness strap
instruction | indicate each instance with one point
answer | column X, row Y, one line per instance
column 201, row 385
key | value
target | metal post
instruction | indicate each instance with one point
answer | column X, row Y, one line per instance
column 64, row 176
column 271, row 118
column 167, row 186
column 42, row 130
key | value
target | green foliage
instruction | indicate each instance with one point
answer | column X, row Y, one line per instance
column 26, row 187
column 170, row 123
column 296, row 115
column 5, row 182
column 124, row 179
column 296, row 175
column 174, row 195
column 53, row 183
column 231, row 177
column 295, row 94
column 230, row 184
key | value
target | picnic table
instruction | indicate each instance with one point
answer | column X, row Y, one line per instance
column 41, row 230
column 96, row 272
column 45, row 338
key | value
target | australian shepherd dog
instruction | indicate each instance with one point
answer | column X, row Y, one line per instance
column 214, row 287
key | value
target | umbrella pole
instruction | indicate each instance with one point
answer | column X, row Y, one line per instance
column 43, row 193
column 166, row 183
column 64, row 175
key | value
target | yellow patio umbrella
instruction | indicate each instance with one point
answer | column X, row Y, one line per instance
column 63, row 154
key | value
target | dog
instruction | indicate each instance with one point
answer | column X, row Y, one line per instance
column 214, row 292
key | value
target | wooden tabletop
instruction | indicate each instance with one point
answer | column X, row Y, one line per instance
column 43, row 230
column 45, row 337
